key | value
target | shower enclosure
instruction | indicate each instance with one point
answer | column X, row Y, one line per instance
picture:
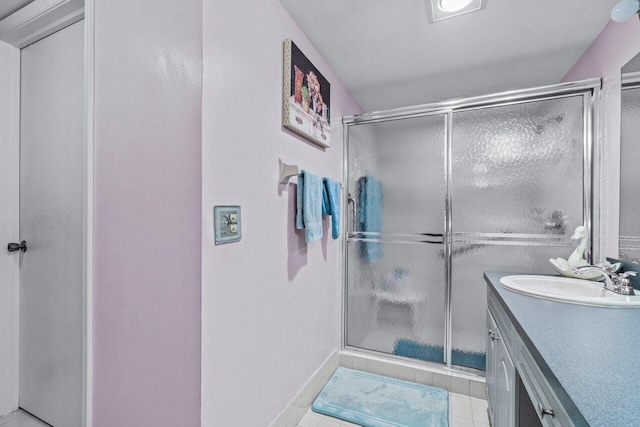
column 439, row 193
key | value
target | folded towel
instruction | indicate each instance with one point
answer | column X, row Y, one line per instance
column 370, row 198
column 435, row 353
column 309, row 205
column 331, row 204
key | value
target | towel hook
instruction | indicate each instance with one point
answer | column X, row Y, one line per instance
column 287, row 171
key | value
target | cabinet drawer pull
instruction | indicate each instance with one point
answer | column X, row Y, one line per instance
column 493, row 335
column 544, row 412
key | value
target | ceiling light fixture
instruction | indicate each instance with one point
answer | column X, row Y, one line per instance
column 625, row 10
column 444, row 9
column 453, row 5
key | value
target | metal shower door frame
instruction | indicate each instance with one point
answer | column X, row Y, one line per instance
column 592, row 157
column 630, row 81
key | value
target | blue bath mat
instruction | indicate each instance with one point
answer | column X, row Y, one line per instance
column 376, row 401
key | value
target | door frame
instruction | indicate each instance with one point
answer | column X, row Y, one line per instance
column 26, row 26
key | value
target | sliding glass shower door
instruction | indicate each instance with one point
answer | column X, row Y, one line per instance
column 437, row 196
column 396, row 265
column 517, row 184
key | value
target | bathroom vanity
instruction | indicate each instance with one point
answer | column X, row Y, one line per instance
column 551, row 363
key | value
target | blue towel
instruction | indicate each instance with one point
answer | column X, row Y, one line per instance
column 370, row 202
column 309, row 205
column 435, row 353
column 331, row 204
column 299, row 198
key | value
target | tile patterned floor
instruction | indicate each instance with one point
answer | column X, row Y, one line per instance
column 465, row 412
column 21, row 418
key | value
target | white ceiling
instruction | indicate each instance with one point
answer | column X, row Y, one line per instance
column 7, row 7
column 388, row 54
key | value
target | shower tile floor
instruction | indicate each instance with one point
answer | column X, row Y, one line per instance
column 21, row 418
column 465, row 412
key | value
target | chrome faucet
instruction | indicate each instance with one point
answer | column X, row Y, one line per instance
column 618, row 283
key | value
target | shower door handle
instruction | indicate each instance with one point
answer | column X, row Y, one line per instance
column 15, row 247
column 352, row 202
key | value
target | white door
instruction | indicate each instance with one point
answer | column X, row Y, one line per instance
column 52, row 153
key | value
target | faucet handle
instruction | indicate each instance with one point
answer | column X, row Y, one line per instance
column 624, row 277
column 624, row 283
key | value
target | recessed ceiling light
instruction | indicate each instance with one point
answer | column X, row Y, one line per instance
column 443, row 9
column 453, row 5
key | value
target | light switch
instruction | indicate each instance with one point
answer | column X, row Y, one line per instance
column 227, row 224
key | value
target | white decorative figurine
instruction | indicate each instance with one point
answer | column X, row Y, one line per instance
column 576, row 259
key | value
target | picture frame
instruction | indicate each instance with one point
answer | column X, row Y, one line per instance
column 306, row 108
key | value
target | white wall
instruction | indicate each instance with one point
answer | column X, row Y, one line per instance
column 9, row 182
column 270, row 306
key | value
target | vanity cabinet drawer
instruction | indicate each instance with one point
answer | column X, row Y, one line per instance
column 540, row 393
column 507, row 331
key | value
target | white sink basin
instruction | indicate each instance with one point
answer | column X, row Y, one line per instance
column 575, row 291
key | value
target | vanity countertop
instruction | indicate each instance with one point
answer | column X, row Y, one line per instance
column 589, row 355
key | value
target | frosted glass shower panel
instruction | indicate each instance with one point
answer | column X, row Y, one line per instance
column 519, row 168
column 396, row 305
column 469, row 290
column 630, row 175
column 406, row 157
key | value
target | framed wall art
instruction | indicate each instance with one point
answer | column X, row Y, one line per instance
column 307, row 97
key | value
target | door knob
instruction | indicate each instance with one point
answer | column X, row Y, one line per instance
column 14, row 247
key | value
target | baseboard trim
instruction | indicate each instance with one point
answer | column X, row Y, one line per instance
column 295, row 410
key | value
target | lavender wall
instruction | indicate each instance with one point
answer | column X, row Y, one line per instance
column 270, row 302
column 614, row 47
column 146, row 336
